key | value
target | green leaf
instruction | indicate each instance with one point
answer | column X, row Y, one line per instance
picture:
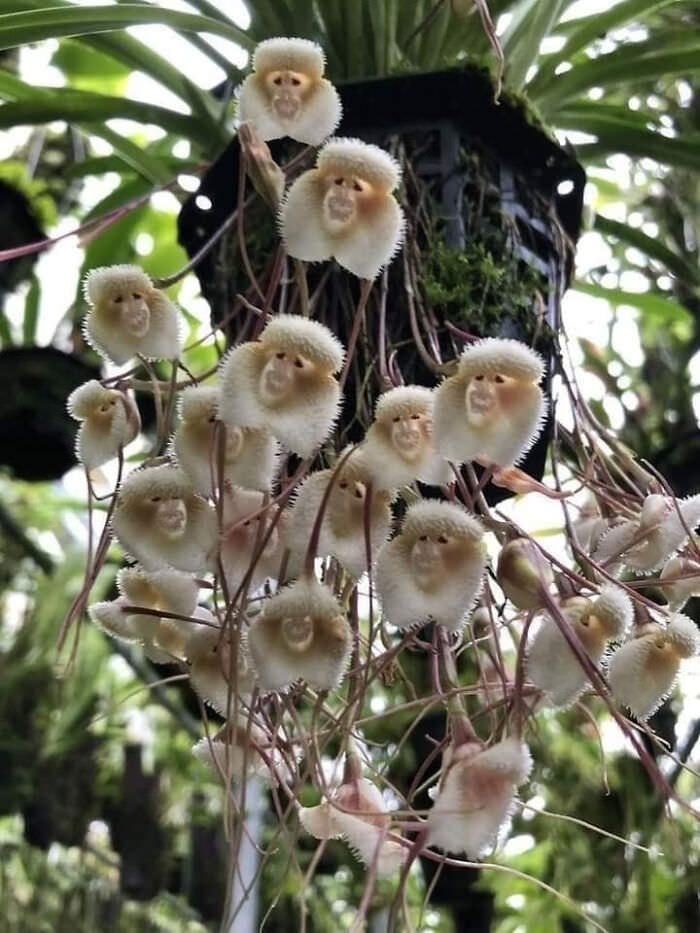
column 46, row 104
column 5, row 332
column 651, row 246
column 659, row 311
column 621, row 130
column 587, row 29
column 31, row 313
column 521, row 41
column 134, row 156
column 639, row 62
column 36, row 25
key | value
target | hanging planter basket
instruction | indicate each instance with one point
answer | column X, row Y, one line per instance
column 493, row 206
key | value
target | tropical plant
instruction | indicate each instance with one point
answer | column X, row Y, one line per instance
column 622, row 77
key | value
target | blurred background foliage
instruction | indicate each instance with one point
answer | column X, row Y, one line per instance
column 110, row 114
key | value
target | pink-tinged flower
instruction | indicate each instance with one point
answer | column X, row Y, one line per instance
column 249, row 454
column 168, row 591
column 160, row 520
column 241, row 750
column 300, row 634
column 343, row 525
column 357, row 813
column 284, row 383
column 110, row 421
column 129, row 316
column 243, row 533
column 492, row 407
column 643, row 670
column 646, row 543
column 476, row 795
column 434, row 568
column 398, row 447
column 679, row 593
column 213, row 675
column 287, row 95
column 552, row 665
column 344, row 209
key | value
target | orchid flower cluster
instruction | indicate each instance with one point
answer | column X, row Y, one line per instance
column 284, row 574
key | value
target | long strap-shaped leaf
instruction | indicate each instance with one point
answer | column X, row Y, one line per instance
column 589, row 28
column 643, row 61
column 35, row 25
column 620, row 130
column 521, row 41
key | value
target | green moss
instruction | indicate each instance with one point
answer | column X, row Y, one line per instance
column 484, row 286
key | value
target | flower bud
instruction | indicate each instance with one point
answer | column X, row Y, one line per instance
column 523, row 573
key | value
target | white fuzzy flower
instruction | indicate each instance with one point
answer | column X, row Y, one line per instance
column 249, row 454
column 357, row 813
column 492, row 407
column 242, row 749
column 643, row 671
column 129, row 316
column 679, row 593
column 283, row 383
column 287, row 95
column 343, row 524
column 110, row 421
column 300, row 634
column 160, row 520
column 476, row 795
column 398, row 447
column 551, row 664
column 212, row 672
column 646, row 543
column 168, row 591
column 344, row 209
column 243, row 533
column 434, row 568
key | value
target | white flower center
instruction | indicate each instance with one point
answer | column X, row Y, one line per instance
column 427, row 562
column 135, row 314
column 171, row 517
column 277, row 379
column 407, row 436
column 298, row 632
column 481, row 399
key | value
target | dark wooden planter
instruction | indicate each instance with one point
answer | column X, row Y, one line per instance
column 37, row 435
column 469, row 154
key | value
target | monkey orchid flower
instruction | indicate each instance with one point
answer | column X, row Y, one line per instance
column 357, row 813
column 243, row 533
column 643, row 670
column 398, row 446
column 129, row 316
column 552, row 665
column 300, row 634
column 492, row 407
column 287, row 95
column 344, row 208
column 249, row 454
column 679, row 593
column 645, row 544
column 110, row 421
column 343, row 525
column 434, row 568
column 476, row 795
column 242, row 750
column 212, row 673
column 160, row 520
column 283, row 383
column 168, row 591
